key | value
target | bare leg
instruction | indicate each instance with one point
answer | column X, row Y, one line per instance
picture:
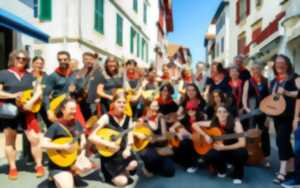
column 10, row 148
column 120, row 181
column 64, row 180
column 34, row 139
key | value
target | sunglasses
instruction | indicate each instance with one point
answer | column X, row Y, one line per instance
column 21, row 58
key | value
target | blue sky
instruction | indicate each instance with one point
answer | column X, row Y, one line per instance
column 191, row 20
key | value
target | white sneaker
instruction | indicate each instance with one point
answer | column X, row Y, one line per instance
column 221, row 175
column 237, row 181
column 191, row 170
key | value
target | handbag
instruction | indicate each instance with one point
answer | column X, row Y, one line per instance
column 8, row 111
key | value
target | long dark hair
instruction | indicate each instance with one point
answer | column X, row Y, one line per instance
column 61, row 107
column 198, row 95
column 111, row 58
column 211, row 99
column 290, row 70
column 230, row 122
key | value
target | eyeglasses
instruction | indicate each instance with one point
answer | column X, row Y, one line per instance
column 21, row 58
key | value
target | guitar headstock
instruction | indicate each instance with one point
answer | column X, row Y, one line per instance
column 253, row 133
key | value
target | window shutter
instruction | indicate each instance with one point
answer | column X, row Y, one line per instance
column 45, row 10
column 237, row 12
column 99, row 16
column 248, row 7
column 138, row 45
column 119, row 30
column 131, row 40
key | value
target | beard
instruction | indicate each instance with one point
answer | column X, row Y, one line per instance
column 64, row 65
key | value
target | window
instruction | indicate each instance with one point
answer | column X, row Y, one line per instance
column 135, row 5
column 220, row 23
column 132, row 39
column 241, row 43
column 258, row 3
column 35, row 8
column 145, row 13
column 45, row 13
column 222, row 45
column 99, row 16
column 242, row 10
column 119, row 30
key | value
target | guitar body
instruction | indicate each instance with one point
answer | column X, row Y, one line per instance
column 273, row 105
column 27, row 96
column 140, row 144
column 63, row 158
column 150, row 95
column 91, row 121
column 109, row 135
column 54, row 104
column 200, row 144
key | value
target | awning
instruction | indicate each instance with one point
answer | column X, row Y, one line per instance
column 14, row 22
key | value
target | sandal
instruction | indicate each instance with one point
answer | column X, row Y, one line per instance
column 279, row 178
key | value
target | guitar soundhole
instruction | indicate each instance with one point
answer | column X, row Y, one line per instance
column 276, row 98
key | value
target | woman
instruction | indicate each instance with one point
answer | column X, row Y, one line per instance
column 13, row 81
column 236, row 86
column 228, row 151
column 186, row 78
column 218, row 80
column 216, row 98
column 155, row 161
column 117, row 167
column 66, row 126
column 192, row 94
column 111, row 81
column 255, row 90
column 284, row 84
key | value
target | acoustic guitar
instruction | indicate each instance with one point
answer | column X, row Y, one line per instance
column 202, row 147
column 64, row 158
column 27, row 96
column 111, row 136
column 273, row 105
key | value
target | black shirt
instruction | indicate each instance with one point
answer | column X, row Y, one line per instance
column 12, row 83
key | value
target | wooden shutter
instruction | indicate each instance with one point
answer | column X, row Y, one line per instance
column 45, row 10
column 99, row 16
column 237, row 12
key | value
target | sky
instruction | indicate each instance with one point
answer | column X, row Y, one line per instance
column 191, row 19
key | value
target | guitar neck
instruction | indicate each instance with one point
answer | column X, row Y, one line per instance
column 228, row 136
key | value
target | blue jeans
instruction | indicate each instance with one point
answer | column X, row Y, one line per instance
column 297, row 154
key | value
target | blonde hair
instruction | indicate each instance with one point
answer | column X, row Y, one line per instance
column 13, row 55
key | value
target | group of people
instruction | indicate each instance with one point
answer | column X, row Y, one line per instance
column 125, row 96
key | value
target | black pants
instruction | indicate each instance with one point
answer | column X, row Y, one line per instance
column 156, row 164
column 297, row 154
column 237, row 158
column 265, row 136
column 283, row 128
column 185, row 154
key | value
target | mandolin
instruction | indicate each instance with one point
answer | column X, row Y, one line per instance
column 111, row 136
column 273, row 105
column 64, row 158
column 27, row 96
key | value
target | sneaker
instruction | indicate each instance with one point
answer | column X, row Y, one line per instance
column 191, row 170
column 39, row 171
column 290, row 184
column 237, row 181
column 13, row 174
column 221, row 175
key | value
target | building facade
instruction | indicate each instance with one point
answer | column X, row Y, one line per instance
column 254, row 28
column 108, row 27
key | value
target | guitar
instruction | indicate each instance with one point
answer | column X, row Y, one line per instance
column 27, row 96
column 150, row 95
column 273, row 105
column 202, row 147
column 64, row 158
column 111, row 136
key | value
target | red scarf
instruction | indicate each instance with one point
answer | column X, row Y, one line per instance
column 162, row 101
column 67, row 123
column 64, row 72
column 280, row 77
column 236, row 90
column 165, row 76
column 19, row 72
column 131, row 74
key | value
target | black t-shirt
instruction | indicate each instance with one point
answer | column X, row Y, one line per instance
column 57, row 131
column 12, row 83
column 245, row 75
column 92, row 89
column 111, row 83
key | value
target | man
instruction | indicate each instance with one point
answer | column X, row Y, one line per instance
column 88, row 78
column 61, row 81
column 239, row 62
